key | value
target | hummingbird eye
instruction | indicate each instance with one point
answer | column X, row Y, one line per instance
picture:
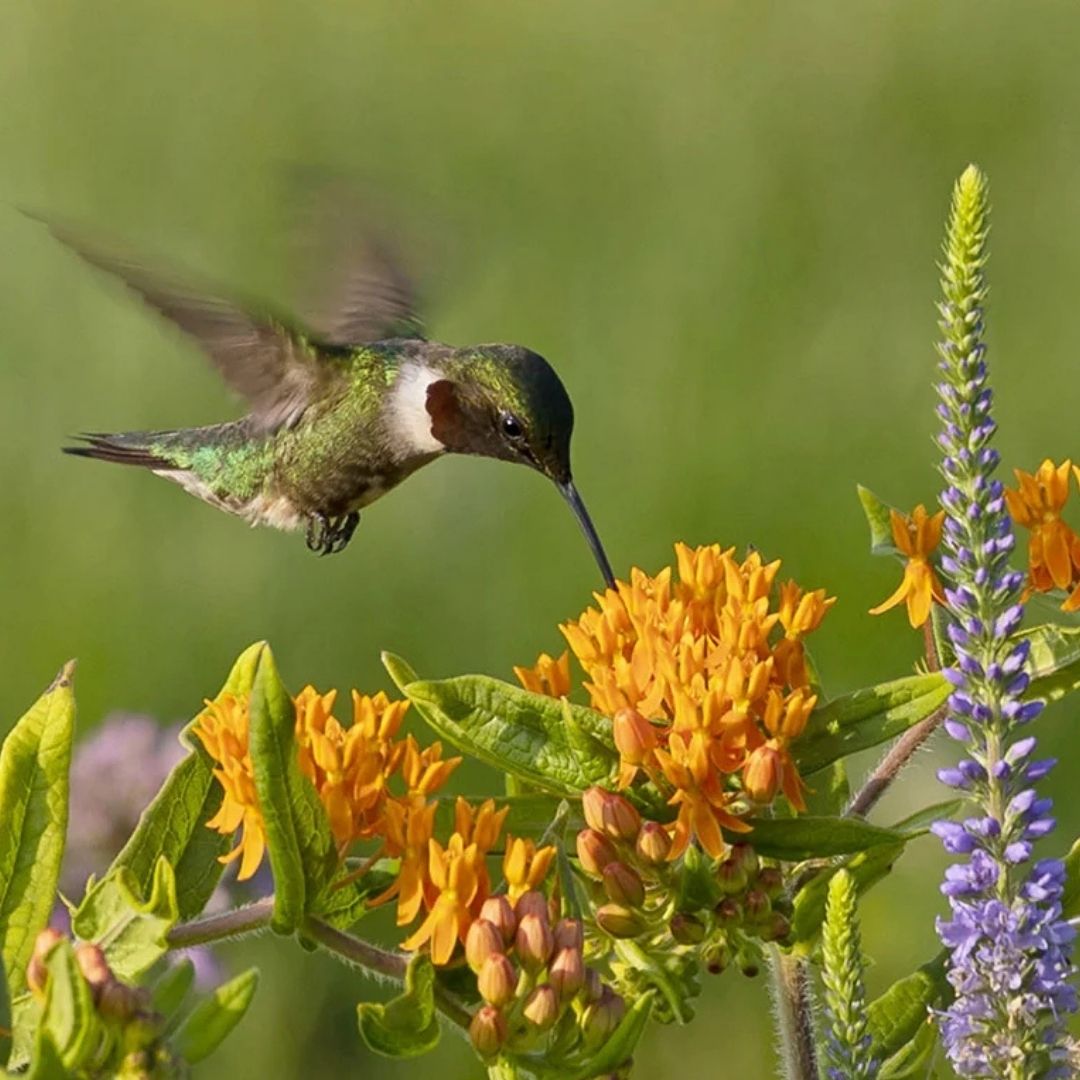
column 511, row 426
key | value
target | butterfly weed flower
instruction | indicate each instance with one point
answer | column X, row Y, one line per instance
column 916, row 536
column 703, row 670
column 1010, row 947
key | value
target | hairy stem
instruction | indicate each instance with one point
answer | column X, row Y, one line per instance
column 372, row 958
column 891, row 765
column 235, row 923
column 794, row 1016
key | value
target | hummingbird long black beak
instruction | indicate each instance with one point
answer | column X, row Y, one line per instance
column 570, row 494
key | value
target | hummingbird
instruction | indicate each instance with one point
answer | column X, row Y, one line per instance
column 341, row 412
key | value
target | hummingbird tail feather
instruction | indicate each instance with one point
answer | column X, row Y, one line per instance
column 122, row 449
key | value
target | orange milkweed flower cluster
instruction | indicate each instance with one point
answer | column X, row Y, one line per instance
column 1053, row 547
column 706, row 681
column 916, row 535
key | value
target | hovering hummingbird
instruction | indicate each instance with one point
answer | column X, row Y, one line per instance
column 340, row 412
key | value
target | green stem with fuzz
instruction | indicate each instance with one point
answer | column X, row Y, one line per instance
column 794, row 1016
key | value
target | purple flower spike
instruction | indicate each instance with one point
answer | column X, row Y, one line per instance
column 1011, row 951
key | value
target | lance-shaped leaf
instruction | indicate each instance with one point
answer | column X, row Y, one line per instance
column 867, row 717
column 806, row 837
column 6, row 1022
column 303, row 856
column 131, row 931
column 405, row 1026
column 1055, row 660
column 880, row 522
column 34, row 763
column 866, row 868
column 214, row 1017
column 897, row 1015
column 174, row 824
column 70, row 1019
column 172, row 986
column 1070, row 898
column 549, row 743
column 47, row 1063
column 913, row 1061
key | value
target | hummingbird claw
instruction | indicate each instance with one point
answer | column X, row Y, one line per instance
column 328, row 536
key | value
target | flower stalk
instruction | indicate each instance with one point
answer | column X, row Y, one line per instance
column 1010, row 949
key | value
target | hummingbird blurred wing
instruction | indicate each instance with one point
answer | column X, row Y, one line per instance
column 258, row 357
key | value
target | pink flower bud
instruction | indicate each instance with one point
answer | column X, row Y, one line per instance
column 566, row 973
column 497, row 911
column 569, row 934
column 623, row 885
column 593, row 987
column 728, row 912
column 619, row 921
column 36, row 972
column 532, row 903
column 487, row 1031
column 595, row 851
column 533, row 943
column 653, row 843
column 635, row 737
column 497, row 980
column 686, row 929
column 601, row 1018
column 610, row 814
column 770, row 881
column 542, row 1007
column 777, row 928
column 93, row 965
column 482, row 940
column 731, row 877
column 756, row 905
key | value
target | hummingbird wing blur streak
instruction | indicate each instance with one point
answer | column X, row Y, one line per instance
column 341, row 413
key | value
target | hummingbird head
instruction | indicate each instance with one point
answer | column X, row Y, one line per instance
column 506, row 402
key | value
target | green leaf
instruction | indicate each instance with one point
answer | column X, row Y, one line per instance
column 866, row 868
column 806, row 837
column 172, row 987
column 912, row 1061
column 1055, row 660
column 174, row 826
column 406, row 1026
column 34, row 764
column 303, row 856
column 867, row 717
column 1070, row 899
column 346, row 902
column 214, row 1017
column 877, row 517
column 519, row 732
column 919, row 823
column 897, row 1015
column 69, row 1018
column 47, row 1065
column 131, row 931
column 831, row 790
column 6, row 1022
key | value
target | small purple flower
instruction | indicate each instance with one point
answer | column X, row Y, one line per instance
column 1010, row 964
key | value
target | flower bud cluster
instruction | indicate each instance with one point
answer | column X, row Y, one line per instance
column 686, row 915
column 531, row 974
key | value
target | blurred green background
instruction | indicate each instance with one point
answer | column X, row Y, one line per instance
column 718, row 220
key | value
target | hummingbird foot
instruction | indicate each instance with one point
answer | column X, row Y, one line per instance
column 329, row 535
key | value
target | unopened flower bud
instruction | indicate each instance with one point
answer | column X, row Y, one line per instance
column 533, row 942
column 619, row 921
column 482, row 940
column 567, row 973
column 542, row 1007
column 497, row 911
column 117, row 1001
column 770, row 881
column 746, row 857
column 595, row 851
column 686, row 929
column 93, row 965
column 731, row 877
column 777, row 927
column 569, row 934
column 635, row 737
column 497, row 980
column 756, row 905
column 728, row 912
column 653, row 843
column 762, row 774
column 601, row 1018
column 532, row 903
column 36, row 972
column 623, row 885
column 716, row 956
column 487, row 1032
column 610, row 814
column 749, row 963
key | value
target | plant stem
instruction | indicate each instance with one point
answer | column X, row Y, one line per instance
column 234, row 923
column 372, row 958
column 890, row 766
column 794, row 1016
